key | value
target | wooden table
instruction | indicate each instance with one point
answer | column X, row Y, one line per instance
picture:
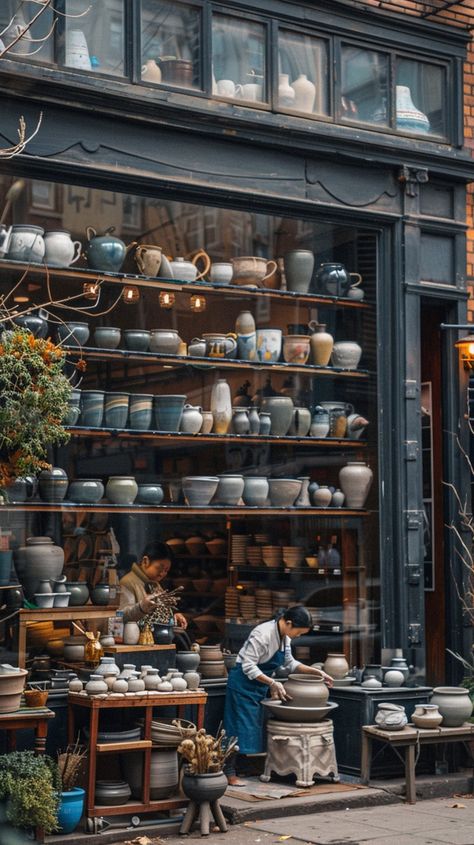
column 411, row 739
column 95, row 705
column 56, row 614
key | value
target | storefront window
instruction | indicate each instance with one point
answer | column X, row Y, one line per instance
column 37, row 43
column 148, row 354
column 420, row 98
column 364, row 86
column 238, row 59
column 171, row 35
column 95, row 40
column 302, row 73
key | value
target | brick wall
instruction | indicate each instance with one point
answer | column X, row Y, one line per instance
column 458, row 14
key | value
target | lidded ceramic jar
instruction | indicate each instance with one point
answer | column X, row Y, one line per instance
column 152, row 679
column 96, row 686
column 426, row 716
column 75, row 685
column 107, row 666
column 127, row 671
column 336, row 665
column 454, row 704
column 306, row 691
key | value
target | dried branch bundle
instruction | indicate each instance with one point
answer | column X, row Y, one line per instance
column 70, row 765
column 205, row 753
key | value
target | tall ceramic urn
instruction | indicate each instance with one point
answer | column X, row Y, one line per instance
column 221, row 406
column 355, row 480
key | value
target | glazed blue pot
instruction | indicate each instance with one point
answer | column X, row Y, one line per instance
column 141, row 411
column 105, row 252
column 86, row 491
column 116, row 410
column 70, row 809
column 92, row 408
column 168, row 410
column 149, row 494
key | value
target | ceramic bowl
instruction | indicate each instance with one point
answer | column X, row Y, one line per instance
column 44, row 599
column 137, row 340
column 199, row 489
column 217, row 546
column 284, row 491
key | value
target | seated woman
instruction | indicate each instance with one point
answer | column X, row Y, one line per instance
column 140, row 585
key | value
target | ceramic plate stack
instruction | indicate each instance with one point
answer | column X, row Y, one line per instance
column 254, row 555
column 247, row 607
column 272, row 556
column 231, row 602
column 282, row 598
column 264, row 603
column 262, row 539
column 238, row 548
column 293, row 556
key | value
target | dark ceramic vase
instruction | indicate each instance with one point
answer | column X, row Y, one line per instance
column 208, row 787
column 162, row 634
column 14, row 597
column 73, row 334
column 36, row 324
column 53, row 484
column 100, row 595
column 79, row 593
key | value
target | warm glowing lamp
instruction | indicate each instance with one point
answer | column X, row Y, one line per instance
column 465, row 345
column 166, row 299
column 197, row 302
column 90, row 290
column 130, row 294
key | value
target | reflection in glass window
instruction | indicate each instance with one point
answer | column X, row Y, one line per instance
column 364, row 86
column 238, row 56
column 420, row 98
column 37, row 43
column 302, row 73
column 171, row 43
column 95, row 40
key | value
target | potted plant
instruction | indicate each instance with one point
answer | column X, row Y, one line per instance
column 29, row 788
column 71, row 806
column 204, row 779
column 34, row 401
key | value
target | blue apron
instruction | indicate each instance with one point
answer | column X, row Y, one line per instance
column 243, row 715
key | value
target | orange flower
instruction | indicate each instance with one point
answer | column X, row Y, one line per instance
column 81, row 365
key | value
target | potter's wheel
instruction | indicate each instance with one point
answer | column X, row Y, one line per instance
column 287, row 713
column 344, row 682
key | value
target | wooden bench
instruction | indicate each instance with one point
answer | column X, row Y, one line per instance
column 411, row 739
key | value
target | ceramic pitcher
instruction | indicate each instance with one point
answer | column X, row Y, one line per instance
column 148, row 259
column 187, row 271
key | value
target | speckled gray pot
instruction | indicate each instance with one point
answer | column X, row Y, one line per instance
column 86, row 491
column 137, row 340
column 107, row 337
column 149, row 494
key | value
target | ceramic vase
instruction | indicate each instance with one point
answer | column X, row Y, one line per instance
column 321, row 497
column 37, row 324
column 336, row 665
column 454, row 704
column 191, row 419
column 165, row 341
column 240, row 421
column 286, row 94
column 92, row 408
column 79, row 593
column 269, row 342
column 70, row 808
column 39, row 560
column 303, row 499
column 320, row 423
column 73, row 333
column 409, row 118
column 221, row 406
column 200, row 788
column 207, row 422
column 187, row 661
column 254, row 421
column 131, row 633
column 393, row 678
column 193, row 679
column 296, row 349
column 346, row 355
column 338, row 499
column 280, row 409
column 140, row 411
column 247, row 346
column 306, row 691
column 137, row 340
column 355, row 480
column 77, row 51
column 168, row 411
column 305, row 93
column 121, row 489
column 96, row 685
column 299, row 266
column 265, row 426
column 245, row 323
column 426, row 716
column 199, row 489
column 321, row 344
column 300, row 422
column 255, row 492
column 53, row 484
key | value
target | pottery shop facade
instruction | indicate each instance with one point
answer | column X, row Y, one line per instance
column 201, row 126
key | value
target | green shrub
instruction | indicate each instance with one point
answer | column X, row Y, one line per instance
column 30, row 785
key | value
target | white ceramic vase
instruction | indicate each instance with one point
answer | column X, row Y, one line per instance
column 305, row 93
column 221, row 406
column 355, row 480
column 131, row 633
column 286, row 94
column 77, row 51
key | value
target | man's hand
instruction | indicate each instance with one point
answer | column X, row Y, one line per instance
column 180, row 620
column 147, row 604
column 277, row 691
column 327, row 679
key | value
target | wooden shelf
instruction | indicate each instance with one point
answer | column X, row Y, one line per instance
column 175, row 510
column 178, row 361
column 82, row 275
column 67, row 614
column 121, row 649
column 175, row 438
column 135, row 745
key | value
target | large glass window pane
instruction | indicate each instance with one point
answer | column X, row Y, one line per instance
column 302, row 73
column 420, row 98
column 95, row 40
column 364, row 86
column 238, row 59
column 171, row 41
column 37, row 43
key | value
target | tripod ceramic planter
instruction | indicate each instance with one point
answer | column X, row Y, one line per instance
column 204, row 792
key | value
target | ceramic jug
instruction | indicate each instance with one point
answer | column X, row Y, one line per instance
column 105, row 252
column 151, row 72
column 191, row 419
column 60, row 249
column 148, row 259
column 221, row 345
column 321, row 344
column 334, row 280
column 187, row 271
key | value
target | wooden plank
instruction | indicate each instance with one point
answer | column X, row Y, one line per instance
column 174, row 510
column 118, row 649
column 166, row 439
column 135, row 745
column 137, row 808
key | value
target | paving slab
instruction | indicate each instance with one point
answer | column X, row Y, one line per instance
column 455, row 835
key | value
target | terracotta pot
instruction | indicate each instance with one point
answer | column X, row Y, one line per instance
column 426, row 716
column 306, row 690
column 454, row 705
column 336, row 665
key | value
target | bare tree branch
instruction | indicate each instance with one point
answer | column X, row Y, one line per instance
column 10, row 152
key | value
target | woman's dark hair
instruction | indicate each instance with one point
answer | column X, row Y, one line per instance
column 157, row 551
column 299, row 616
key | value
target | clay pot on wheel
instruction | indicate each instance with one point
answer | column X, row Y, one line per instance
column 306, row 690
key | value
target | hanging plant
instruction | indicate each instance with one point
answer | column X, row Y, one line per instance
column 34, row 394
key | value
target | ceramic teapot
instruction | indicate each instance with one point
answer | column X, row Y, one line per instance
column 221, row 345
column 333, row 279
column 105, row 252
column 187, row 271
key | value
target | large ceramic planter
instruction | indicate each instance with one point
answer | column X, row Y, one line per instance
column 299, row 266
column 284, row 491
column 140, row 411
column 280, row 409
column 92, row 408
column 70, row 809
column 454, row 705
column 168, row 411
column 86, row 491
column 229, row 490
column 199, row 489
column 355, row 480
column 121, row 489
column 255, row 491
column 112, row 792
column 116, row 410
column 306, row 690
column 39, row 560
column 163, row 773
column 200, row 788
column 53, row 484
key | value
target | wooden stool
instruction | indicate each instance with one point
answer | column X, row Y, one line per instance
column 203, row 811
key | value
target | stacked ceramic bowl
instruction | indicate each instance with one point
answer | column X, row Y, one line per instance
column 231, row 602
column 282, row 598
column 293, row 556
column 264, row 603
column 239, row 548
column 247, row 607
column 272, row 556
column 254, row 555
column 167, row 735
